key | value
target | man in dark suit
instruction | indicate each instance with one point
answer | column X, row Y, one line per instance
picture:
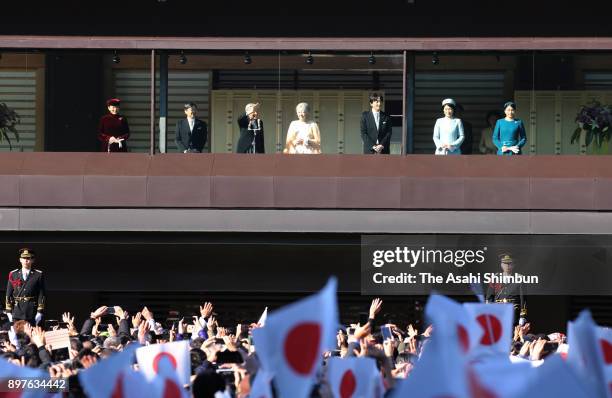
column 376, row 128
column 25, row 292
column 191, row 133
column 251, row 131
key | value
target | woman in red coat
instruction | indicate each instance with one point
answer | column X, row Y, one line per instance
column 113, row 129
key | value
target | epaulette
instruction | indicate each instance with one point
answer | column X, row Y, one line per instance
column 39, row 271
column 15, row 270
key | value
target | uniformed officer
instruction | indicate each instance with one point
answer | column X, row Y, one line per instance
column 508, row 292
column 25, row 292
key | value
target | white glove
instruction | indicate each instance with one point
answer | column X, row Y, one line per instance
column 38, row 318
column 9, row 316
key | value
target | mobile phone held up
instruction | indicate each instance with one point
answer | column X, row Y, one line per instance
column 386, row 332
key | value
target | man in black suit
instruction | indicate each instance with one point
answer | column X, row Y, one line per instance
column 191, row 133
column 251, row 131
column 376, row 128
column 25, row 292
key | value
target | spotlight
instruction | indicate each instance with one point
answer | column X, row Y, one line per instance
column 182, row 58
column 434, row 58
column 371, row 58
column 309, row 58
column 116, row 58
column 247, row 58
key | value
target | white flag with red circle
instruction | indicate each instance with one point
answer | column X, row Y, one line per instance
column 106, row 378
column 168, row 361
column 291, row 344
column 260, row 387
column 603, row 338
column 586, row 353
column 495, row 321
column 467, row 330
column 353, row 377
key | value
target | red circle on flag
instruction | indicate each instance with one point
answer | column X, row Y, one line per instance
column 464, row 339
column 492, row 328
column 171, row 389
column 161, row 356
column 348, row 384
column 302, row 347
column 606, row 349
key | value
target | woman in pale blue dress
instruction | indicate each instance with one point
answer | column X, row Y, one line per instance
column 448, row 130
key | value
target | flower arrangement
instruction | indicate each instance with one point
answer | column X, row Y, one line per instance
column 8, row 119
column 595, row 120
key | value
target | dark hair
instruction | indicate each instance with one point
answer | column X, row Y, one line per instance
column 189, row 105
column 206, row 384
column 453, row 107
column 492, row 113
column 510, row 104
column 375, row 96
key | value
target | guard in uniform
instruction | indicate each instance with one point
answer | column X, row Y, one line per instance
column 508, row 292
column 25, row 292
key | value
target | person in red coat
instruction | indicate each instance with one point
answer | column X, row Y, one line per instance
column 113, row 129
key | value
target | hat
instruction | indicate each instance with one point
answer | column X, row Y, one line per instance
column 26, row 253
column 449, row 101
column 113, row 102
column 506, row 258
column 250, row 108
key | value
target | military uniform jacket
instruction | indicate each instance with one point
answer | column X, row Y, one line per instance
column 24, row 298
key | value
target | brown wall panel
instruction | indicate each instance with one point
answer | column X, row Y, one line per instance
column 318, row 181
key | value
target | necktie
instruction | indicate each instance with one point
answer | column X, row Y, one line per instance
column 25, row 275
column 376, row 118
column 191, row 123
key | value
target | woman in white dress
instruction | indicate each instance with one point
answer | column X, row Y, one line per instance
column 303, row 135
column 448, row 130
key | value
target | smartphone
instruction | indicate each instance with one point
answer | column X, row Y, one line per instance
column 103, row 327
column 110, row 311
column 189, row 328
column 386, row 332
column 228, row 357
column 350, row 331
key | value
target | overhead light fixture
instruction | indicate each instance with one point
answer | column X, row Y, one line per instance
column 247, row 58
column 116, row 58
column 434, row 58
column 309, row 58
column 371, row 58
column 182, row 58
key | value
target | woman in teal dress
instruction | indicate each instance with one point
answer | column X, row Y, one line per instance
column 509, row 133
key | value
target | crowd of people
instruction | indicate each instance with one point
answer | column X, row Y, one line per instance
column 223, row 357
column 451, row 136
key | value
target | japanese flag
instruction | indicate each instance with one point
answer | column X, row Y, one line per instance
column 170, row 360
column 555, row 379
column 9, row 370
column 261, row 385
column 442, row 368
column 586, row 355
column 353, row 377
column 292, row 343
column 495, row 321
column 441, row 309
column 106, row 378
column 603, row 338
